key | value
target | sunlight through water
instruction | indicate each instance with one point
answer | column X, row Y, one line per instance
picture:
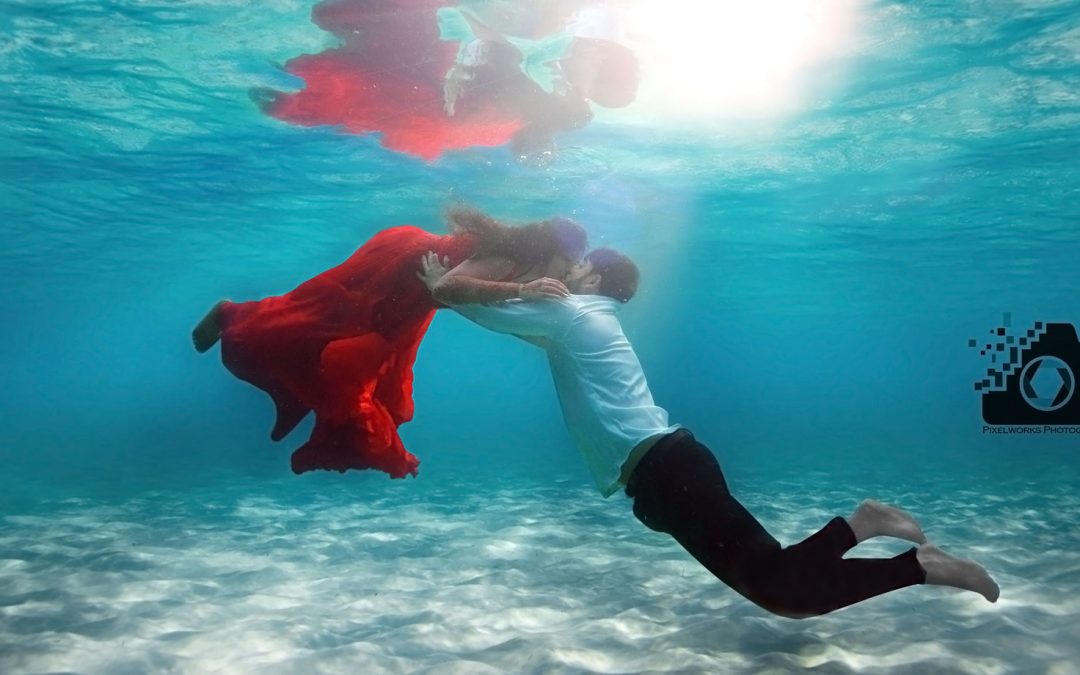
column 737, row 58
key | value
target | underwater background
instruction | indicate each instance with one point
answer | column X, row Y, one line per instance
column 811, row 281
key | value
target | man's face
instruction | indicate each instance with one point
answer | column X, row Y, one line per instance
column 576, row 276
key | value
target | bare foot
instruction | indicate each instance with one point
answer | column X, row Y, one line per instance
column 208, row 331
column 943, row 569
column 874, row 519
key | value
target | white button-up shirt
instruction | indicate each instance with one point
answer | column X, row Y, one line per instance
column 605, row 399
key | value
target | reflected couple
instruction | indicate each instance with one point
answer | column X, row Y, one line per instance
column 430, row 76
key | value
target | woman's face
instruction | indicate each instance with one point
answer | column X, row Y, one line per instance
column 559, row 266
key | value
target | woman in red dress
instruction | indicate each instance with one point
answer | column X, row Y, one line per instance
column 343, row 343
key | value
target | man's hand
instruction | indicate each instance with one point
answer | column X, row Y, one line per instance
column 543, row 288
column 432, row 269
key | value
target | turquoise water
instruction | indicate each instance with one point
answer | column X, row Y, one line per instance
column 810, row 282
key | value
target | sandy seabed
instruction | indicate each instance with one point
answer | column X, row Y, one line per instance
column 516, row 577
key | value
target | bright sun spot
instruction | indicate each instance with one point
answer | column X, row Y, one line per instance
column 732, row 58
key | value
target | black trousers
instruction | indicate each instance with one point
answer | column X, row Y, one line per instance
column 678, row 488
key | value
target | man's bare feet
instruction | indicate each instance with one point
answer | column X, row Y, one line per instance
column 943, row 569
column 874, row 519
column 208, row 331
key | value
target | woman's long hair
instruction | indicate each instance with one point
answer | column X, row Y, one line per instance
column 530, row 244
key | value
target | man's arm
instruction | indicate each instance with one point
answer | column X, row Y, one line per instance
column 532, row 321
column 540, row 342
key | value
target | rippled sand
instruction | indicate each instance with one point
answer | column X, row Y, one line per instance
column 518, row 577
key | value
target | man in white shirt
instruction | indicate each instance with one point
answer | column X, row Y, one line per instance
column 676, row 483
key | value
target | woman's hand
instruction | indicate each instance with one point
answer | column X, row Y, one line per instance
column 432, row 269
column 543, row 288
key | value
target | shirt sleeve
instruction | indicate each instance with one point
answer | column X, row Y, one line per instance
column 538, row 318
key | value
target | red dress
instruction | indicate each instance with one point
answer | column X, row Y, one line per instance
column 343, row 345
column 388, row 77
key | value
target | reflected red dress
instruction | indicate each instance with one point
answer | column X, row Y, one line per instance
column 388, row 77
column 343, row 345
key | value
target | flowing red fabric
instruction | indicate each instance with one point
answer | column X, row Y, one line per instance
column 343, row 345
column 388, row 77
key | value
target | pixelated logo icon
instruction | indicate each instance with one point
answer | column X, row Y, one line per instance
column 1032, row 376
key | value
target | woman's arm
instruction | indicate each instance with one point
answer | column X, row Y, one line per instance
column 477, row 280
column 535, row 322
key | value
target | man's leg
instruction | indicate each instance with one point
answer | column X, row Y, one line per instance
column 678, row 488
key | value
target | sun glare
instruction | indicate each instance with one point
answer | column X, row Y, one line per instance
column 733, row 58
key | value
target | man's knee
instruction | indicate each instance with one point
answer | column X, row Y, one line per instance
column 787, row 607
column 780, row 594
column 791, row 613
column 650, row 514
